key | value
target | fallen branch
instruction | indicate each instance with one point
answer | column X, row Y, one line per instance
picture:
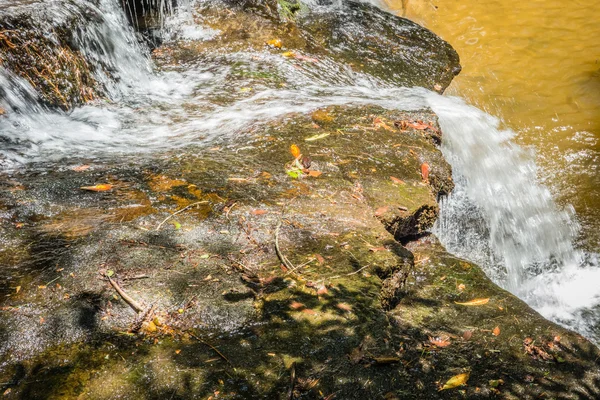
column 180, row 211
column 131, row 302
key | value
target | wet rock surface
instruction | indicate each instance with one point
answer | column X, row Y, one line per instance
column 254, row 284
column 38, row 43
column 259, row 272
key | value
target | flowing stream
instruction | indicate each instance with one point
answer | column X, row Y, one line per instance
column 500, row 215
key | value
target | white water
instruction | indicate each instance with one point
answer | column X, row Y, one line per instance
column 498, row 215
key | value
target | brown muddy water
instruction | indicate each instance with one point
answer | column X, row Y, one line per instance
column 536, row 65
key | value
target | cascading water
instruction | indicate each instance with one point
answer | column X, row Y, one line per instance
column 501, row 218
column 497, row 216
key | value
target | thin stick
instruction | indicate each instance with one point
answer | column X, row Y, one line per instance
column 132, row 303
column 282, row 258
column 180, row 211
column 292, row 381
column 211, row 346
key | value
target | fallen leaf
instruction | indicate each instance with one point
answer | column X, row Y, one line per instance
column 380, row 211
column 456, row 381
column 238, row 180
column 176, row 225
column 295, row 150
column 467, row 335
column 376, row 249
column 208, row 278
column 474, row 302
column 496, row 331
column 308, row 311
column 177, row 351
column 344, row 306
column 296, row 305
column 320, row 259
column 398, row 181
column 80, row 168
column 17, row 289
column 314, row 174
column 496, row 382
column 97, row 188
column 317, row 137
column 274, row 43
column 205, row 256
column 305, row 58
column 461, row 287
column 439, row 341
column 259, row 212
column 378, row 122
column 322, row 290
column 425, row 171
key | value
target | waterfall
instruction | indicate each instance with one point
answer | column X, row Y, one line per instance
column 500, row 217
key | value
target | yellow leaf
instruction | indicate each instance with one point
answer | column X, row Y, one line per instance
column 456, row 381
column 295, row 150
column 474, row 302
column 317, row 137
column 97, row 188
column 288, row 54
column 18, row 289
column 274, row 43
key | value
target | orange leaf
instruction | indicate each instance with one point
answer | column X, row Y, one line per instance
column 474, row 302
column 380, row 211
column 80, row 168
column 322, row 290
column 398, row 181
column 296, row 305
column 308, row 311
column 274, row 43
column 376, row 249
column 344, row 306
column 259, row 212
column 97, row 188
column 496, row 331
column 295, row 150
column 439, row 342
column 320, row 259
column 425, row 171
column 314, row 174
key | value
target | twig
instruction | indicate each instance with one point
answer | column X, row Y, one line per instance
column 340, row 276
column 292, row 381
column 211, row 346
column 180, row 211
column 131, row 278
column 282, row 258
column 132, row 303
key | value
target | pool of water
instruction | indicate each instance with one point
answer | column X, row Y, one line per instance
column 535, row 65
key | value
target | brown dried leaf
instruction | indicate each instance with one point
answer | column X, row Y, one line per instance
column 380, row 211
column 296, row 305
column 314, row 174
column 344, row 306
column 259, row 212
column 398, row 181
column 467, row 335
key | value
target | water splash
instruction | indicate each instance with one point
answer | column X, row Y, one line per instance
column 500, row 217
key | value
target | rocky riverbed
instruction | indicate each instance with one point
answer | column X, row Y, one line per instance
column 290, row 259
